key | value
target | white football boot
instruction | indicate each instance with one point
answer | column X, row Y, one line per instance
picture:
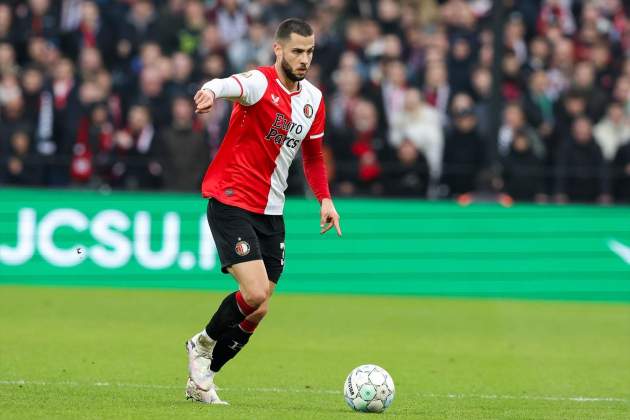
column 193, row 392
column 199, row 349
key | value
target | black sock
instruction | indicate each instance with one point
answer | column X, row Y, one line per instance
column 228, row 346
column 231, row 312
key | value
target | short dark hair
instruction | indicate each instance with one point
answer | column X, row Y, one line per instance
column 293, row 26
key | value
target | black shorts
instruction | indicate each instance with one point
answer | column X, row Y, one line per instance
column 242, row 236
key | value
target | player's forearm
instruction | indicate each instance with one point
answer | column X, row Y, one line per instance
column 314, row 169
column 229, row 88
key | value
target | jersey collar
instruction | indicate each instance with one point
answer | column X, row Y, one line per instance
column 284, row 88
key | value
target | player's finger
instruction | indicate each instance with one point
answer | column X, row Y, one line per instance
column 337, row 225
column 198, row 95
column 204, row 105
column 329, row 225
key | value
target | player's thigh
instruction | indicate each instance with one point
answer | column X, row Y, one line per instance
column 233, row 233
column 252, row 280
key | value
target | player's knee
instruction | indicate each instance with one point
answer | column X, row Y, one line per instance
column 262, row 311
column 255, row 297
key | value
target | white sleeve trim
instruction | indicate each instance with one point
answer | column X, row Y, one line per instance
column 317, row 136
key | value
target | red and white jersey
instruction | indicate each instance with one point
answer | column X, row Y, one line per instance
column 267, row 128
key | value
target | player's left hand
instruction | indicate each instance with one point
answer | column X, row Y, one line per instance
column 329, row 217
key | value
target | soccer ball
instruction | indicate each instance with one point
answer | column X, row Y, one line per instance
column 369, row 388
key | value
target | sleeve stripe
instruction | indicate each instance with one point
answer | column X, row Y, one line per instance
column 316, row 136
column 239, row 84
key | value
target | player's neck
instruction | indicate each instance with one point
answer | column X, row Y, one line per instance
column 289, row 84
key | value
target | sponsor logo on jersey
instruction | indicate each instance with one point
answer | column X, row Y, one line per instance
column 242, row 248
column 275, row 99
column 308, row 110
column 282, row 129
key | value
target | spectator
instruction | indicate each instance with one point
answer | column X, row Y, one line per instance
column 343, row 101
column 621, row 171
column 92, row 31
column 183, row 151
column 392, row 90
column 138, row 27
column 194, row 24
column 32, row 89
column 8, row 34
column 613, row 131
column 600, row 56
column 514, row 37
column 437, row 91
column 560, row 72
column 460, row 64
column 90, row 63
column 556, row 13
column 538, row 104
column 482, row 89
column 463, row 152
column 8, row 63
column 581, row 171
column 135, row 159
column 419, row 124
column 210, row 43
column 91, row 152
column 513, row 121
column 230, row 19
column 255, row 48
column 65, row 100
column 523, row 171
column 13, row 116
column 584, row 83
column 182, row 69
column 169, row 23
column 22, row 166
column 538, row 55
column 153, row 96
column 362, row 148
column 570, row 106
column 37, row 18
column 408, row 176
column 513, row 84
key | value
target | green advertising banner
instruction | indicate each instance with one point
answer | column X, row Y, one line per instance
column 388, row 247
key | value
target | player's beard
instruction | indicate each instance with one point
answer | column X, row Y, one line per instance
column 289, row 71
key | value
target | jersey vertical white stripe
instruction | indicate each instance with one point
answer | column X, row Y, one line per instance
column 302, row 122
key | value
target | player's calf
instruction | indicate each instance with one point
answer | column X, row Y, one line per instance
column 231, row 343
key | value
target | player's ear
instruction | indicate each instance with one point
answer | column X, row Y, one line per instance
column 277, row 49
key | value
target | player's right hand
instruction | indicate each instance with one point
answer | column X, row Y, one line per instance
column 204, row 99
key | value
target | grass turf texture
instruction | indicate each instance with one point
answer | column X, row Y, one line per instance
column 102, row 353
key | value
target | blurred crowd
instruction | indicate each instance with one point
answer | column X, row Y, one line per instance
column 98, row 93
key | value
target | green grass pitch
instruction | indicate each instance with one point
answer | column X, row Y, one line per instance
column 105, row 353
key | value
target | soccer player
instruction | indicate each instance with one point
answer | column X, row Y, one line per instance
column 276, row 112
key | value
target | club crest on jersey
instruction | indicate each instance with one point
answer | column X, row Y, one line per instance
column 308, row 111
column 275, row 99
column 242, row 248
